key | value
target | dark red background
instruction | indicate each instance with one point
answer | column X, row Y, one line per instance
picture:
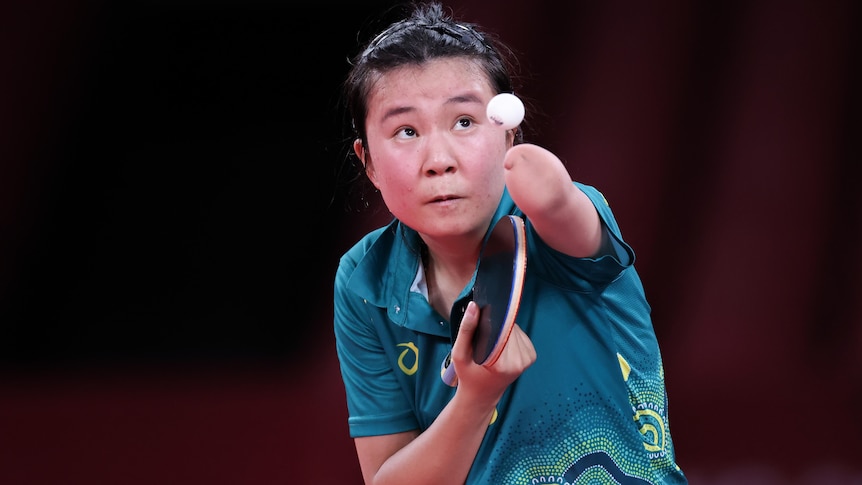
column 170, row 223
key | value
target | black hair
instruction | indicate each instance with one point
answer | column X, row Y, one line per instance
column 426, row 32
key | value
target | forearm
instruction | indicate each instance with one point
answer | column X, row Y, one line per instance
column 562, row 214
column 443, row 453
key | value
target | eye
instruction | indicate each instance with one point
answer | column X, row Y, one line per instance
column 463, row 123
column 405, row 133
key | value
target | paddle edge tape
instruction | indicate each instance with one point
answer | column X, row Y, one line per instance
column 519, row 270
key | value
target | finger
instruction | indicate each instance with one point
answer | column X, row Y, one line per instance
column 519, row 353
column 463, row 348
column 523, row 346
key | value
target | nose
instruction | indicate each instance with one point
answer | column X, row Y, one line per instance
column 439, row 156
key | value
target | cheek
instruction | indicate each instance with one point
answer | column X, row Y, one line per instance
column 393, row 185
column 392, row 170
column 494, row 177
column 494, row 161
column 387, row 177
column 495, row 183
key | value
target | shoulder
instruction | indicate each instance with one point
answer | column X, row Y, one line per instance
column 363, row 254
column 602, row 206
column 380, row 263
column 360, row 248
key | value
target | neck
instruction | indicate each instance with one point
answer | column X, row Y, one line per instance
column 446, row 277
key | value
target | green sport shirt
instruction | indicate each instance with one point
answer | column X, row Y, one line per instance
column 591, row 409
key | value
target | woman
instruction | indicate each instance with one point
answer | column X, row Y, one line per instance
column 577, row 394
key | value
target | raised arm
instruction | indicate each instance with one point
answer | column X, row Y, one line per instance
column 562, row 214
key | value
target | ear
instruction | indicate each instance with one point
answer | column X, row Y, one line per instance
column 510, row 137
column 363, row 156
column 359, row 151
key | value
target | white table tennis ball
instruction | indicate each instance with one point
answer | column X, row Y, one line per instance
column 505, row 110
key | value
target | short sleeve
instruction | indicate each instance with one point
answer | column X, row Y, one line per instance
column 375, row 401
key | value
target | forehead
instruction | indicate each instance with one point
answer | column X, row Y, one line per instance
column 438, row 79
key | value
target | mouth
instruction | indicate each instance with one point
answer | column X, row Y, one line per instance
column 444, row 198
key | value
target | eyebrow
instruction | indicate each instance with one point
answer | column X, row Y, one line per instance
column 459, row 99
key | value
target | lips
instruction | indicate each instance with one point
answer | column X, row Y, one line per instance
column 444, row 198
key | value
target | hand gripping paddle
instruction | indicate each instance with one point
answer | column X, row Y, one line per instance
column 497, row 291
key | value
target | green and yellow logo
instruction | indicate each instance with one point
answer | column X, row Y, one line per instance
column 410, row 352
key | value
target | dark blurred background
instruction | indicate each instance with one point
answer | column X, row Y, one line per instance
column 172, row 211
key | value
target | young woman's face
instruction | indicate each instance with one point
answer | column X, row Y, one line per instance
column 432, row 153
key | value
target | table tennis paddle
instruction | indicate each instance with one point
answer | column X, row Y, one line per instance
column 497, row 290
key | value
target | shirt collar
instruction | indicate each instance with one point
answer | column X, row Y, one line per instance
column 387, row 275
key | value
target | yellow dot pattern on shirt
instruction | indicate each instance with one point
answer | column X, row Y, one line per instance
column 556, row 461
column 567, row 453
